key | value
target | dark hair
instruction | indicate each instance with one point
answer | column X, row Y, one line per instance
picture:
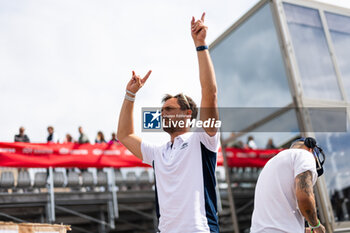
column 69, row 138
column 309, row 142
column 101, row 135
column 185, row 103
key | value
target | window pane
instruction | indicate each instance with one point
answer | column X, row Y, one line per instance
column 336, row 171
column 264, row 120
column 261, row 139
column 312, row 53
column 339, row 27
column 280, row 129
column 249, row 66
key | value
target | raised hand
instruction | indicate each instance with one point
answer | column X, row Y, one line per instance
column 199, row 30
column 136, row 82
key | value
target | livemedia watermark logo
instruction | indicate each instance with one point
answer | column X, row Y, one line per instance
column 153, row 121
column 265, row 120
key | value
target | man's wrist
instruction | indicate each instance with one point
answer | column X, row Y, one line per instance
column 131, row 99
column 200, row 43
column 130, row 96
column 317, row 225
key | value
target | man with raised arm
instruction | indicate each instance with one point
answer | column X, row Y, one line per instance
column 185, row 166
column 284, row 195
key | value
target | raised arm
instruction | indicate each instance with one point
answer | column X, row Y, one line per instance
column 206, row 74
column 125, row 132
column 306, row 200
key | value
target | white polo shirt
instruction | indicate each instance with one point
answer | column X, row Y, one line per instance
column 185, row 182
column 275, row 204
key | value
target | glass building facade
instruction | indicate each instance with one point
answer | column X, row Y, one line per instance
column 287, row 56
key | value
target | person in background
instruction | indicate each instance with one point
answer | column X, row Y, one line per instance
column 82, row 138
column 69, row 138
column 239, row 144
column 52, row 137
column 270, row 144
column 251, row 143
column 100, row 138
column 284, row 195
column 114, row 140
column 21, row 137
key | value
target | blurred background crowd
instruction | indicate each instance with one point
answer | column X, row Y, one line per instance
column 52, row 137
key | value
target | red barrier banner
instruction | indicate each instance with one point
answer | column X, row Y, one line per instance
column 44, row 155
column 249, row 157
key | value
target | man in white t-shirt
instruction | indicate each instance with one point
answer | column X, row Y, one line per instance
column 284, row 195
column 185, row 166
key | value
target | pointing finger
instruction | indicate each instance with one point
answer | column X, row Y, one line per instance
column 203, row 15
column 146, row 76
column 192, row 21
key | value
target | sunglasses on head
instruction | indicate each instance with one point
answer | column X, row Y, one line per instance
column 317, row 151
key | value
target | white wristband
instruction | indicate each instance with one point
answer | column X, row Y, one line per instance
column 132, row 99
column 131, row 93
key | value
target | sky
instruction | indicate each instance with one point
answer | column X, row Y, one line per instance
column 66, row 63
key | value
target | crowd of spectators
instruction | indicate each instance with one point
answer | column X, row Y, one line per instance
column 250, row 144
column 52, row 137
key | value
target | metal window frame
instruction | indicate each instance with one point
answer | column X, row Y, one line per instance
column 326, row 210
column 227, row 32
column 235, row 26
column 295, row 84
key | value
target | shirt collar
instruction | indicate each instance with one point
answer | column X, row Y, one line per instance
column 183, row 137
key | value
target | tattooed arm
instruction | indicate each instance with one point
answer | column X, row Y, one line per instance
column 305, row 197
column 306, row 201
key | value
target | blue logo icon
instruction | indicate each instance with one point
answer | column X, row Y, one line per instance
column 151, row 120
